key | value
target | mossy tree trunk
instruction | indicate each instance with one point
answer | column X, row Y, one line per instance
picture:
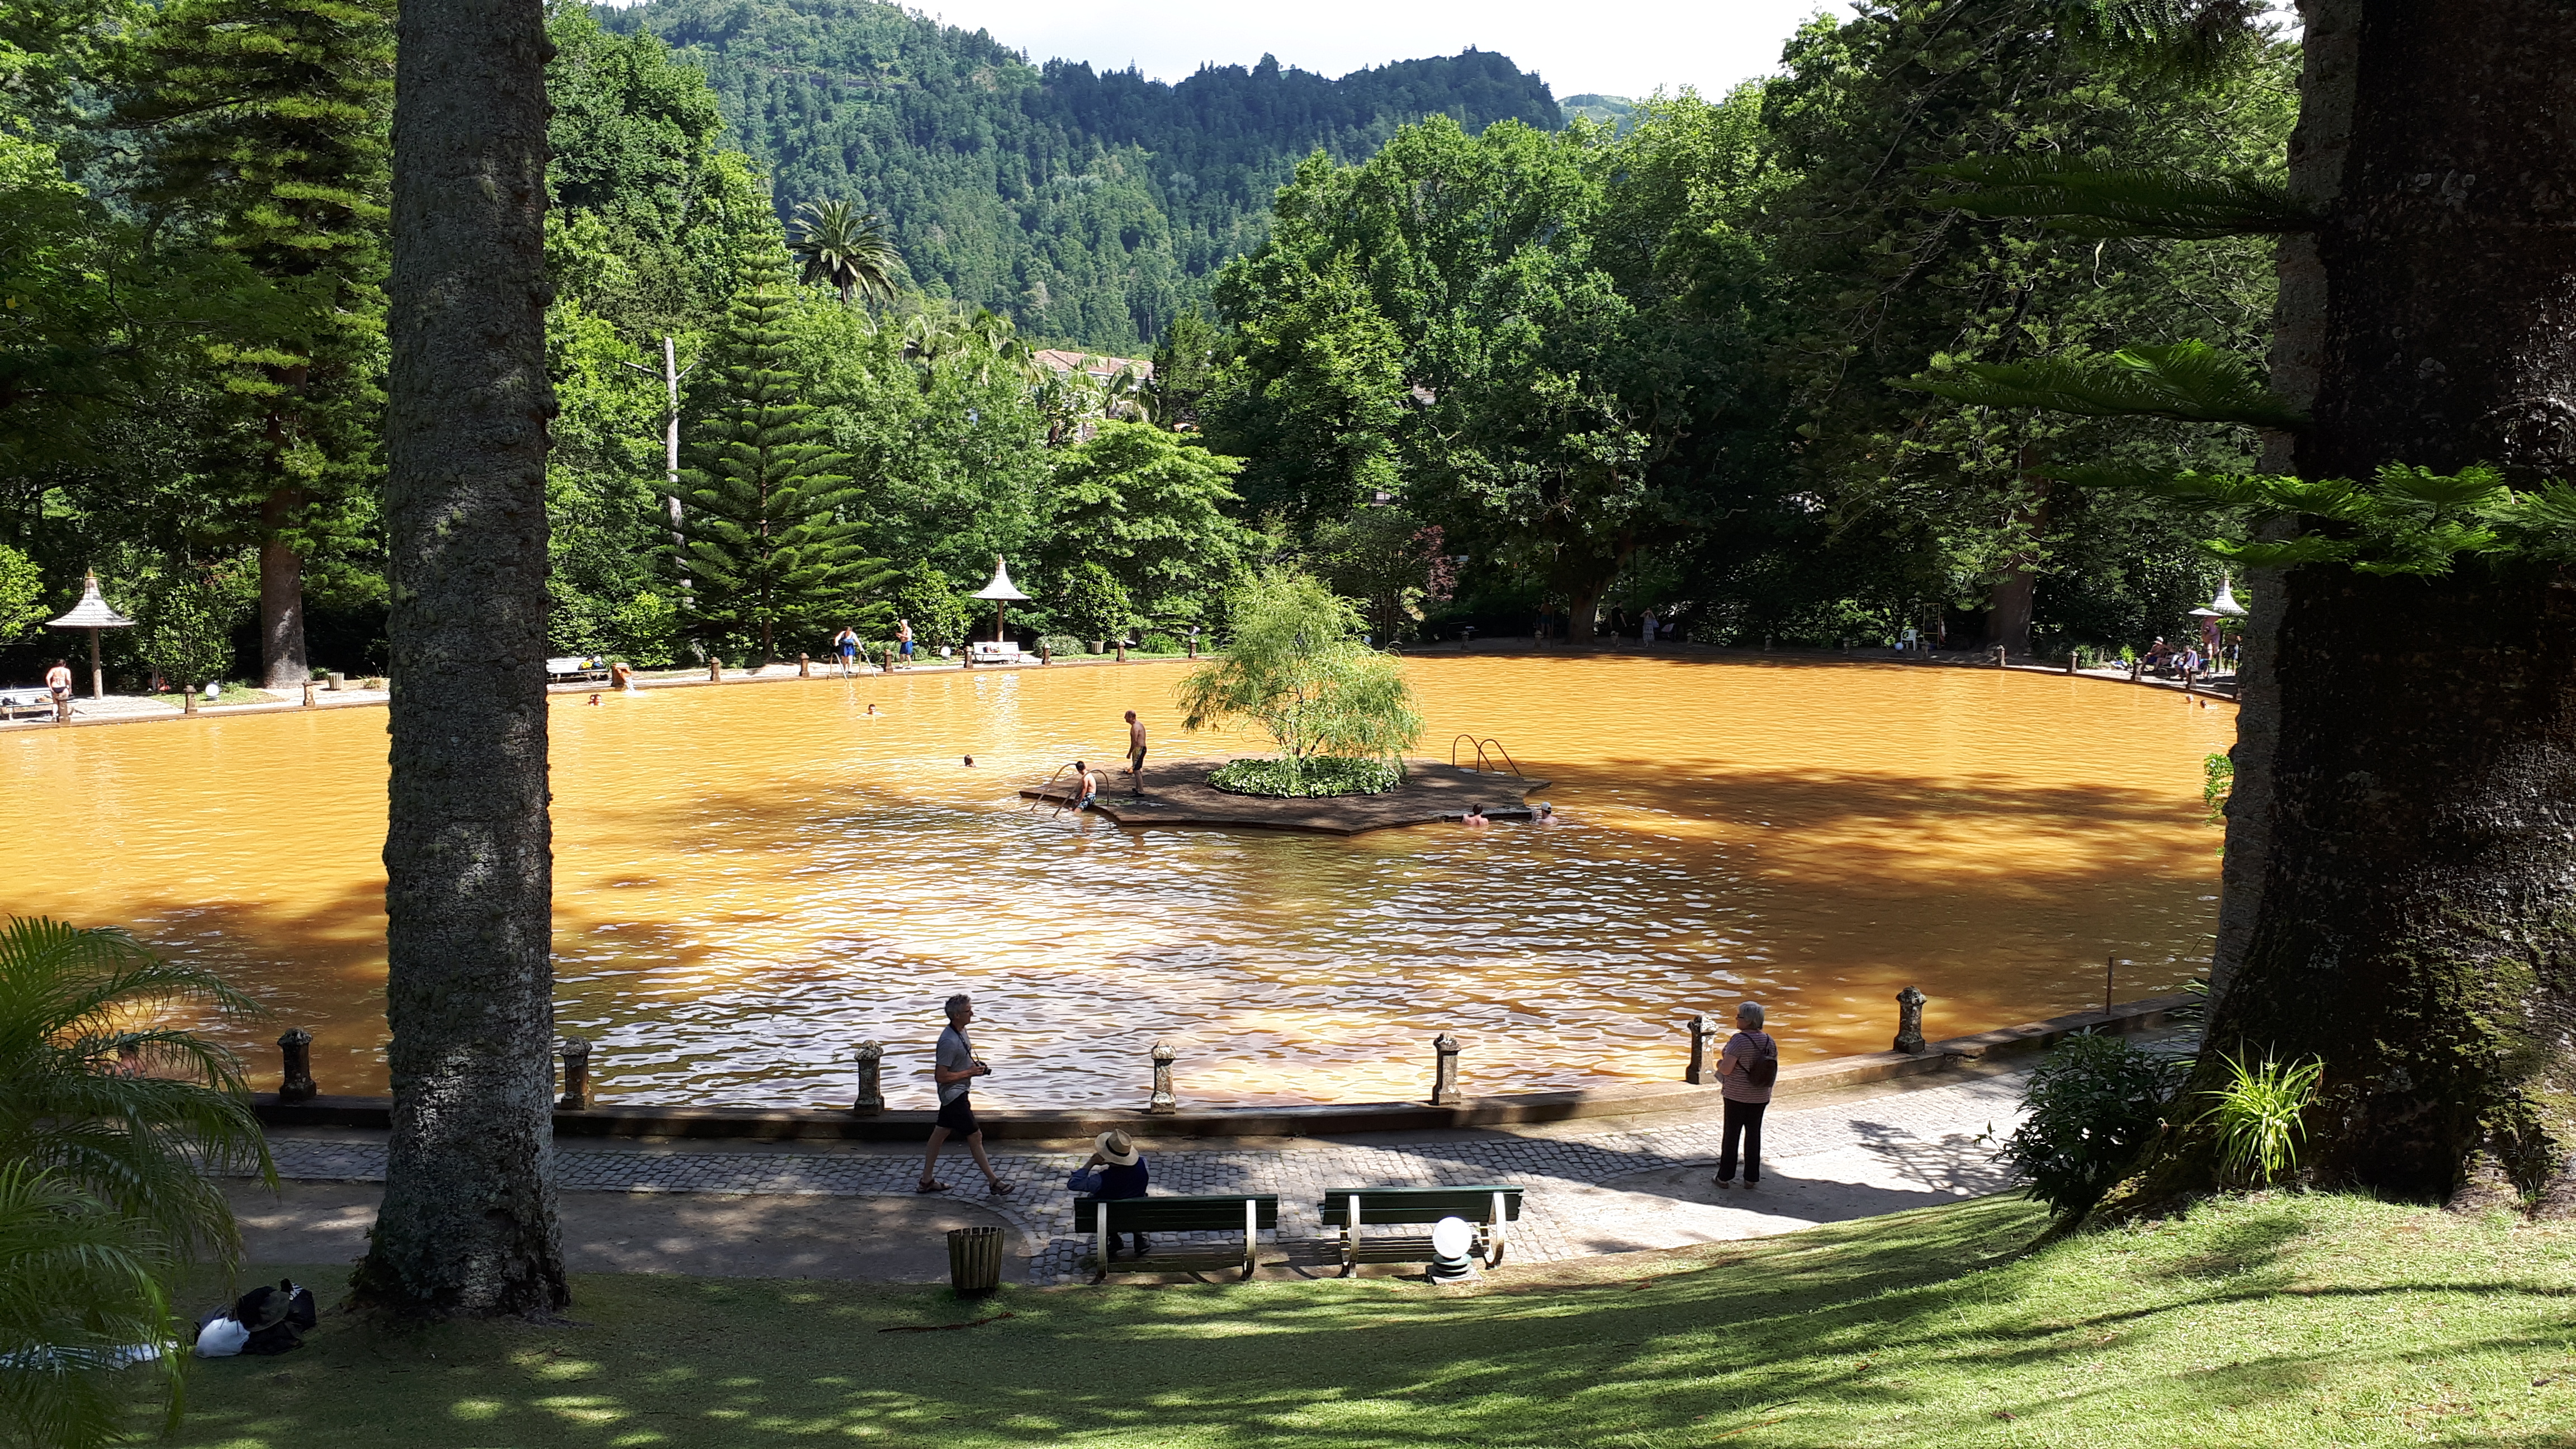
column 2401, row 873
column 468, row 1223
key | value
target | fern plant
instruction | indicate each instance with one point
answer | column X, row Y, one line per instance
column 2260, row 1117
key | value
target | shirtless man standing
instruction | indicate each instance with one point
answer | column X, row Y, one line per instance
column 58, row 681
column 1135, row 757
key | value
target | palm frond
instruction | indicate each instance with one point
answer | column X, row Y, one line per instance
column 97, row 1087
column 2189, row 382
column 80, row 1294
column 2074, row 195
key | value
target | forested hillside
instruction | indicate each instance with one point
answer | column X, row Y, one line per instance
column 1089, row 208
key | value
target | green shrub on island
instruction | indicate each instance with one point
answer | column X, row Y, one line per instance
column 1295, row 666
column 1159, row 642
column 2092, row 1102
column 1309, row 778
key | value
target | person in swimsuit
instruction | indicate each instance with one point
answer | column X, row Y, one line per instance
column 1474, row 819
column 847, row 642
column 1135, row 757
column 1086, row 786
column 59, row 681
column 621, row 676
column 903, row 638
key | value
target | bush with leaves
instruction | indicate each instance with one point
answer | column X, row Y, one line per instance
column 2092, row 1104
column 1093, row 605
column 926, row 600
column 187, row 628
column 22, row 594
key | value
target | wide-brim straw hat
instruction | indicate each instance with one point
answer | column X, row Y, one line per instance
column 1117, row 1149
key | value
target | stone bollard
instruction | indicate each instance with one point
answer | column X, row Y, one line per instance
column 1909, row 1021
column 576, row 1055
column 804, row 667
column 1999, row 656
column 297, row 1083
column 187, row 703
column 871, row 1099
column 1045, row 655
column 2070, row 662
column 1703, row 1064
column 1122, row 651
column 1163, row 1103
column 309, row 700
column 1444, row 1072
column 1766, row 643
column 715, row 670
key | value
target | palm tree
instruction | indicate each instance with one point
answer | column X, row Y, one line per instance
column 99, row 1090
column 847, row 248
column 80, row 1292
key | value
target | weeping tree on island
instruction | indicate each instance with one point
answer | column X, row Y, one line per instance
column 2400, row 879
column 771, row 528
column 1294, row 665
column 468, row 1223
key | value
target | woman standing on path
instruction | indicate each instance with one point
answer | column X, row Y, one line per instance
column 1745, row 1072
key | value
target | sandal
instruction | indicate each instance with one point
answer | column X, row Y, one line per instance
column 998, row 1188
column 926, row 1185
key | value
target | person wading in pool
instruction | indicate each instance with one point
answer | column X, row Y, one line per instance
column 954, row 1068
column 1086, row 787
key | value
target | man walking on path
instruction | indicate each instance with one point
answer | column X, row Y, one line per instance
column 903, row 638
column 954, row 1067
column 1135, row 757
column 1745, row 1072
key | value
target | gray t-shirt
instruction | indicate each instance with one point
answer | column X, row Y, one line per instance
column 955, row 1055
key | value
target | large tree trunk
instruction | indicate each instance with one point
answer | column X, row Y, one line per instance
column 282, row 659
column 2403, row 842
column 468, row 1222
column 2008, row 603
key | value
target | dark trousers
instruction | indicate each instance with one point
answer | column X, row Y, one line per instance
column 1743, row 1119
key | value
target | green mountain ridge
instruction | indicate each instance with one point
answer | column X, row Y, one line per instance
column 1090, row 207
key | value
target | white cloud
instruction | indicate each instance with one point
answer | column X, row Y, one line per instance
column 1622, row 49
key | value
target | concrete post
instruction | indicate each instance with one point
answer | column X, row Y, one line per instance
column 309, row 700
column 1122, row 651
column 804, row 667
column 1909, row 1021
column 2070, row 661
column 296, row 1085
column 576, row 1055
column 1045, row 654
column 187, row 703
column 1703, row 1063
column 1999, row 656
column 1163, row 1103
column 871, row 1099
column 715, row 670
column 1444, row 1072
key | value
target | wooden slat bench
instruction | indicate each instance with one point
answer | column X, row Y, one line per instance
column 1233, row 1212
column 1486, row 1208
column 14, row 700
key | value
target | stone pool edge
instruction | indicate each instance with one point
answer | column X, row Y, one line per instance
column 1327, row 1119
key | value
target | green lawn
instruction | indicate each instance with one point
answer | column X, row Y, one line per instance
column 2278, row 1321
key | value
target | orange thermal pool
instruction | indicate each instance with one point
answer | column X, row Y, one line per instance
column 751, row 880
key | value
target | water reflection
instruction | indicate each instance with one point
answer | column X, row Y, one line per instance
column 751, row 880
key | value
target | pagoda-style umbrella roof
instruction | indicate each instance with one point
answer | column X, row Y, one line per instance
column 2225, row 604
column 91, row 612
column 1001, row 587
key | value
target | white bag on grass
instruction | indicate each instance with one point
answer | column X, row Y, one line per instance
column 222, row 1338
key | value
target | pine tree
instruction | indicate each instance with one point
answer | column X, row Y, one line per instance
column 770, row 531
column 266, row 129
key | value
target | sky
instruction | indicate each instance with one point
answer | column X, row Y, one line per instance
column 1622, row 49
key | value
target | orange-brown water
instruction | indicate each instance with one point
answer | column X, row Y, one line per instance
column 751, row 880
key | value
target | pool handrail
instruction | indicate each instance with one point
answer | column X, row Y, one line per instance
column 1481, row 760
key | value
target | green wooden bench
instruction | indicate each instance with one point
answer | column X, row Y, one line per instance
column 1347, row 1209
column 1227, row 1212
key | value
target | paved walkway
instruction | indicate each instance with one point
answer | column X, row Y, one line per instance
column 1593, row 1188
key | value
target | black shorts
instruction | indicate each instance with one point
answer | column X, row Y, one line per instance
column 959, row 1116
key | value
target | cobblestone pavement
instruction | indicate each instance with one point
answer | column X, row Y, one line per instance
column 1883, row 1153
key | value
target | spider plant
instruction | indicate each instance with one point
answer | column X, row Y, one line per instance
column 2258, row 1116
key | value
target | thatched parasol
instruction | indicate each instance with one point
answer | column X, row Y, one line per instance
column 93, row 614
column 1001, row 591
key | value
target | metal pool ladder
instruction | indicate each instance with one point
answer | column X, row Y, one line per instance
column 1484, row 763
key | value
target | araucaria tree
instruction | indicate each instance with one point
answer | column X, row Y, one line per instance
column 468, row 1222
column 2402, row 823
column 264, row 126
column 770, row 528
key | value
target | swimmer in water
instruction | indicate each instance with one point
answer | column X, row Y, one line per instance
column 970, row 762
column 594, row 699
column 1086, row 786
column 620, row 677
column 1474, row 819
column 872, row 709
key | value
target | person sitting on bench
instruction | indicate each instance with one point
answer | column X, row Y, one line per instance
column 1120, row 1171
